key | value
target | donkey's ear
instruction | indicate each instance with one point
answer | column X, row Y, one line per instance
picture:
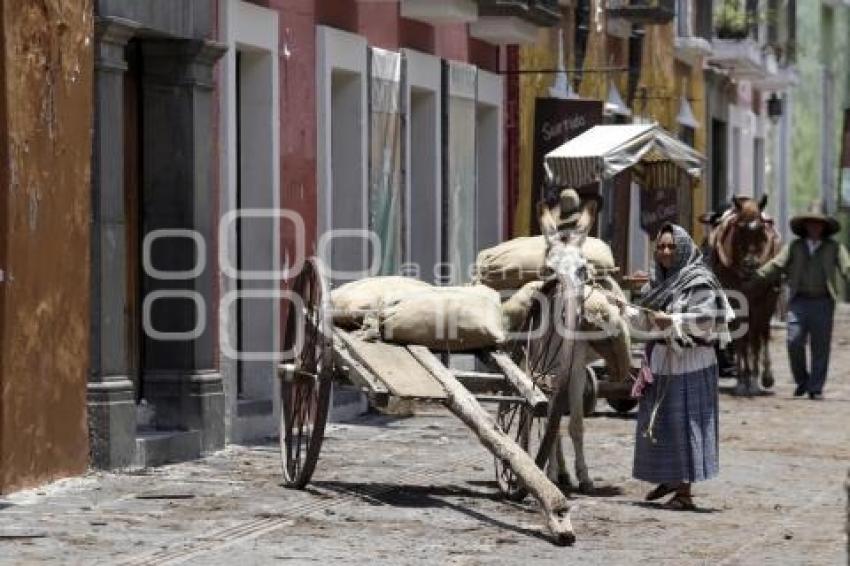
column 588, row 216
column 762, row 202
column 548, row 224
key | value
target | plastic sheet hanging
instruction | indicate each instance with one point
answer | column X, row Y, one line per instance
column 386, row 182
column 461, row 182
column 603, row 151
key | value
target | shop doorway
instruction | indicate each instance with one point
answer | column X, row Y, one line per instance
column 133, row 214
column 719, row 159
column 256, row 228
column 424, row 199
column 348, row 253
column 488, row 156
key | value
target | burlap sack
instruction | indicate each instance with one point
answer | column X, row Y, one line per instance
column 444, row 318
column 515, row 309
column 609, row 335
column 602, row 326
column 512, row 264
column 598, row 254
column 353, row 301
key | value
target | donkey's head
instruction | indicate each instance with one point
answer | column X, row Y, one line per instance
column 565, row 228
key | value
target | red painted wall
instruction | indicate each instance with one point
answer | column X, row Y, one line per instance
column 383, row 27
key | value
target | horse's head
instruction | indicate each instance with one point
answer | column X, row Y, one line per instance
column 748, row 213
column 748, row 239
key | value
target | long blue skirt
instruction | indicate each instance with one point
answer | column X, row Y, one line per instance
column 684, row 442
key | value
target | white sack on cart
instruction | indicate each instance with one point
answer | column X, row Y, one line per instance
column 513, row 263
column 352, row 302
column 445, row 318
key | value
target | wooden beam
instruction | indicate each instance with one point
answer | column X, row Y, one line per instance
column 537, row 400
column 553, row 504
column 499, row 399
column 481, row 382
column 394, row 367
column 357, row 372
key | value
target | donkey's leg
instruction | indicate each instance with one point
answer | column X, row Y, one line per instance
column 563, row 479
column 752, row 376
column 755, row 364
column 767, row 380
column 552, row 467
column 742, row 387
column 576, row 426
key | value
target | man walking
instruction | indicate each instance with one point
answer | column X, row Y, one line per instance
column 809, row 263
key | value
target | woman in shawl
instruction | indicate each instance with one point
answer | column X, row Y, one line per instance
column 685, row 312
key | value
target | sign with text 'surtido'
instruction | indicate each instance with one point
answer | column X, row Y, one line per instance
column 556, row 121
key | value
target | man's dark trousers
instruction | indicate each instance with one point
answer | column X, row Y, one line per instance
column 810, row 317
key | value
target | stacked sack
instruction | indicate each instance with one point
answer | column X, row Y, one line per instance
column 516, row 267
column 408, row 311
column 512, row 264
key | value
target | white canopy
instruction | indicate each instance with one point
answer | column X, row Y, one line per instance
column 603, row 151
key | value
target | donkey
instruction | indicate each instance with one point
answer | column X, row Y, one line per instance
column 744, row 240
column 561, row 350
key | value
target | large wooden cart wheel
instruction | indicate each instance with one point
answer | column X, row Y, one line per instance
column 523, row 427
column 307, row 375
column 518, row 420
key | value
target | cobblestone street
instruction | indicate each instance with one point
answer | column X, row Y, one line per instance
column 421, row 490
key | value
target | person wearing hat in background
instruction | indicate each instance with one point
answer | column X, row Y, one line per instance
column 569, row 211
column 809, row 263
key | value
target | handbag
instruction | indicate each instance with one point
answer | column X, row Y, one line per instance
column 644, row 377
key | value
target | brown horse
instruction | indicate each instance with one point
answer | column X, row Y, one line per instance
column 743, row 240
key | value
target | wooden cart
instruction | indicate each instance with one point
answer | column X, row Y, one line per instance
column 316, row 353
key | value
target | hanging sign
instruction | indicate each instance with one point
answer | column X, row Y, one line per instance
column 556, row 121
column 657, row 207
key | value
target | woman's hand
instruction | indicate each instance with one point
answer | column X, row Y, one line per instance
column 661, row 320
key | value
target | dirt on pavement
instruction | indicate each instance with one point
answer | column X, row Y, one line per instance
column 421, row 491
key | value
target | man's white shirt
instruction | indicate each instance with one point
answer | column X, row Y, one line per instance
column 813, row 245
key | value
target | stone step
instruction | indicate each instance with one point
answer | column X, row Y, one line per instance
column 158, row 447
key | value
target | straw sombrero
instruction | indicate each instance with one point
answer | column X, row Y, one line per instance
column 570, row 208
column 798, row 223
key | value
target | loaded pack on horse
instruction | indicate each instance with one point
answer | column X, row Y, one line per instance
column 743, row 239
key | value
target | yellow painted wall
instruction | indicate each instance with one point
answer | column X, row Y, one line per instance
column 698, row 104
column 658, row 77
column 542, row 55
column 664, row 87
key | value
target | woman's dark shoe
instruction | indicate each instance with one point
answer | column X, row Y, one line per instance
column 680, row 502
column 816, row 396
column 660, row 491
column 800, row 391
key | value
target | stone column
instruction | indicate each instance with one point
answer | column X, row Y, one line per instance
column 111, row 397
column 179, row 193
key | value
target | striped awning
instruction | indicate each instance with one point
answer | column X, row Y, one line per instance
column 603, row 151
